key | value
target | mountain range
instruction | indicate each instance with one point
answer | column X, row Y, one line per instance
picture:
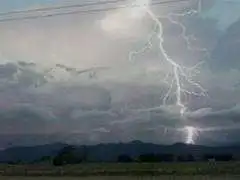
column 111, row 151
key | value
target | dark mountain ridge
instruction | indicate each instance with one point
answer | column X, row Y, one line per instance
column 111, row 151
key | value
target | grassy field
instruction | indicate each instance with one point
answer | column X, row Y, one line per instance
column 123, row 178
column 118, row 169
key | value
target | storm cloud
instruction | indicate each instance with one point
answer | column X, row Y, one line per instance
column 43, row 94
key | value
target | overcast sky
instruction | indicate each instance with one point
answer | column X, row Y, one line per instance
column 73, row 74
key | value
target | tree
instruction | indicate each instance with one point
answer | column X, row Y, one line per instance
column 147, row 158
column 67, row 155
column 224, row 157
column 190, row 157
column 180, row 158
column 156, row 157
column 44, row 159
column 165, row 157
column 208, row 157
column 124, row 158
column 218, row 157
column 185, row 158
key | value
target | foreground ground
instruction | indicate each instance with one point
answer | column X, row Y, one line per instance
column 125, row 169
column 125, row 178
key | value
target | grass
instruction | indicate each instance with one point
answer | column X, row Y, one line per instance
column 123, row 178
column 124, row 169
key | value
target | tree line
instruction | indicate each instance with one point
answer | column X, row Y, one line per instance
column 70, row 155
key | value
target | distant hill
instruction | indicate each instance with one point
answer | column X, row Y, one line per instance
column 110, row 152
column 29, row 154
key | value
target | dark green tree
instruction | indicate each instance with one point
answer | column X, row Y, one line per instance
column 124, row 158
column 67, row 155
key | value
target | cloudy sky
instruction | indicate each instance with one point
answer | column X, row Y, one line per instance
column 102, row 77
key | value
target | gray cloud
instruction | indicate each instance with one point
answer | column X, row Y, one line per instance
column 226, row 53
column 40, row 97
column 7, row 70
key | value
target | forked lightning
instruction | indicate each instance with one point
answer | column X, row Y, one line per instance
column 178, row 72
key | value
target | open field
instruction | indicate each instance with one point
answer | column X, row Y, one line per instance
column 124, row 178
column 124, row 169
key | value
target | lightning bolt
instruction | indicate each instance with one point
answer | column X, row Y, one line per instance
column 188, row 38
column 179, row 73
column 191, row 132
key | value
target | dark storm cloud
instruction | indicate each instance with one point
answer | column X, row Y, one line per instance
column 20, row 76
column 225, row 118
column 226, row 53
column 114, row 107
column 106, row 125
column 8, row 70
column 98, row 114
column 88, row 110
column 25, row 119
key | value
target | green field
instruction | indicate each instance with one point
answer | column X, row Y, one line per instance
column 124, row 178
column 124, row 169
